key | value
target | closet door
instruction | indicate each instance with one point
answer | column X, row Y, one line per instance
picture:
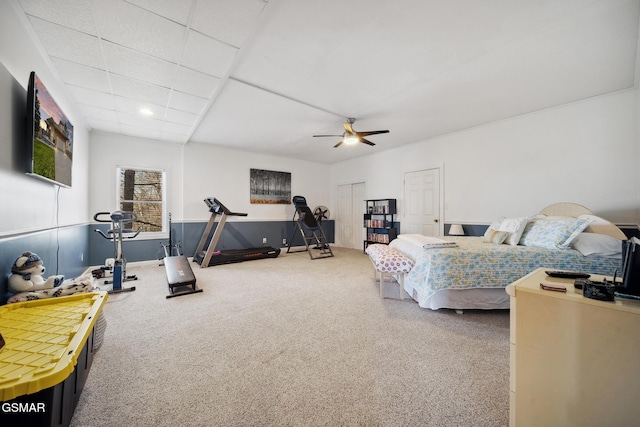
column 344, row 225
column 358, row 196
column 349, row 229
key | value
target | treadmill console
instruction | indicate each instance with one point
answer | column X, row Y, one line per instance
column 213, row 205
column 216, row 207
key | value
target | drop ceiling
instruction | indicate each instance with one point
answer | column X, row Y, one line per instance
column 265, row 76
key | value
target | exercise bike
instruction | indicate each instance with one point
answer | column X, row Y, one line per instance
column 117, row 234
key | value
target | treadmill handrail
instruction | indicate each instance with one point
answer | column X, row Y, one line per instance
column 216, row 207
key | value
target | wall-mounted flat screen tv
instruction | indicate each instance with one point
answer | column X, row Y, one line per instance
column 49, row 136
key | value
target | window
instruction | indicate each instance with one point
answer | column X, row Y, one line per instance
column 142, row 191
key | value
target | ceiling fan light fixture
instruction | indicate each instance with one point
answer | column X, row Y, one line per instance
column 351, row 139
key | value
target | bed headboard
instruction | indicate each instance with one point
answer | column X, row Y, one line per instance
column 598, row 225
column 566, row 209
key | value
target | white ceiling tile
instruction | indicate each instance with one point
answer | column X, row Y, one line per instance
column 93, row 97
column 140, row 132
column 139, row 121
column 202, row 53
column 130, row 26
column 76, row 74
column 184, row 102
column 135, row 106
column 104, row 125
column 93, row 112
column 74, row 46
column 177, row 128
column 177, row 11
column 230, row 21
column 139, row 66
column 136, row 89
column 74, row 14
column 181, row 117
column 196, row 83
column 172, row 137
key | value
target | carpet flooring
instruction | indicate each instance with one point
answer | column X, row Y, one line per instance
column 293, row 342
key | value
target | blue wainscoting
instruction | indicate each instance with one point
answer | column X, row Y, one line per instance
column 63, row 251
column 236, row 235
column 469, row 229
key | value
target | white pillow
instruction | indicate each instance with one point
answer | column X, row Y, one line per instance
column 552, row 234
column 599, row 244
column 494, row 236
column 494, row 225
column 515, row 227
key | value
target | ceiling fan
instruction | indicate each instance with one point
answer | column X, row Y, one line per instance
column 350, row 136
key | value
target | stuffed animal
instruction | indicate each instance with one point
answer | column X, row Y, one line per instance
column 27, row 275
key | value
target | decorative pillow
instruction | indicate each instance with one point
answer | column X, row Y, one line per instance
column 494, row 236
column 515, row 227
column 494, row 225
column 552, row 234
column 598, row 244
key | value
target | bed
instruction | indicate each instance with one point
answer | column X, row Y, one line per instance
column 473, row 273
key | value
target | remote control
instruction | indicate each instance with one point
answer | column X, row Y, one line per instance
column 567, row 274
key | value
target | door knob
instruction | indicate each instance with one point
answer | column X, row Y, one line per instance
column 435, row 220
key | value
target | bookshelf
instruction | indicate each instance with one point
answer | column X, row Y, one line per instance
column 379, row 221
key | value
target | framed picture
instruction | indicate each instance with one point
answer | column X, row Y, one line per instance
column 270, row 187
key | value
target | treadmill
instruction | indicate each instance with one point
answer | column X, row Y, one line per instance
column 210, row 256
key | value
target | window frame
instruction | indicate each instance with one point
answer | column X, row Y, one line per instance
column 147, row 235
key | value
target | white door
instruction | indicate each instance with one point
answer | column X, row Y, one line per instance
column 422, row 203
column 349, row 230
column 358, row 195
column 344, row 227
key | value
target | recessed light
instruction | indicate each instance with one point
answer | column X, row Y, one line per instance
column 146, row 112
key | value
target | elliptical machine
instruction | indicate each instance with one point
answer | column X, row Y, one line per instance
column 117, row 234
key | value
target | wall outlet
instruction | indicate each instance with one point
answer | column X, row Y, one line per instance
column 264, row 240
column 284, row 241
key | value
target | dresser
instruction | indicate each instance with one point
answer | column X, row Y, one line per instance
column 574, row 361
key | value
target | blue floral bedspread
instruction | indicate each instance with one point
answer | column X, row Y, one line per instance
column 474, row 264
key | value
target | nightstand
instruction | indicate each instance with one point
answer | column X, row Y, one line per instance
column 574, row 361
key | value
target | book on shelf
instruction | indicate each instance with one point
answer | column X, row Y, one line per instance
column 378, row 238
column 375, row 223
column 378, row 209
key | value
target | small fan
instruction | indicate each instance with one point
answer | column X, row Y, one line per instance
column 321, row 213
column 350, row 136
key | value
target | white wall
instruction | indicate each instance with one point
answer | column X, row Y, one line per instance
column 109, row 151
column 586, row 152
column 196, row 171
column 224, row 174
column 31, row 204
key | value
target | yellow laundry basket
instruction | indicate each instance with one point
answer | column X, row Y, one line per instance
column 46, row 359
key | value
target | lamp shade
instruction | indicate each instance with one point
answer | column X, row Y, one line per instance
column 456, row 230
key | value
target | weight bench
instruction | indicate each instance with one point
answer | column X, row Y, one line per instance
column 180, row 276
column 387, row 263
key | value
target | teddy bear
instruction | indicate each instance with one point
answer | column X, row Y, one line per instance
column 27, row 274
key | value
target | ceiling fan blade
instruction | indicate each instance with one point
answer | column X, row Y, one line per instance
column 339, row 136
column 338, row 144
column 366, row 141
column 372, row 132
column 348, row 128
